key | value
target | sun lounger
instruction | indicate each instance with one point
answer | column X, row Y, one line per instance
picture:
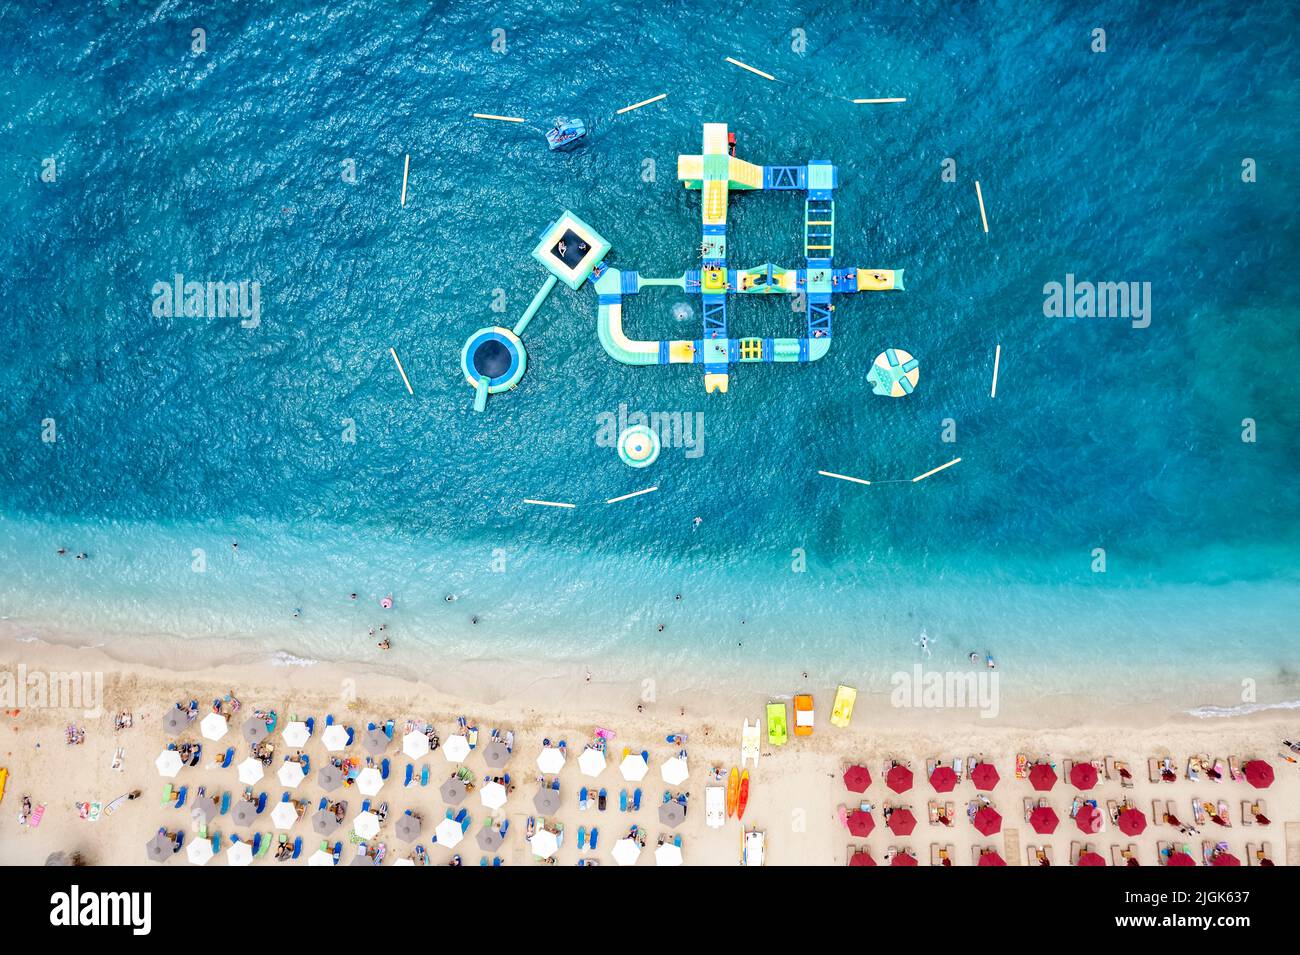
column 1112, row 810
column 715, row 806
column 1040, row 855
column 1198, row 811
column 957, row 767
column 1234, row 768
column 940, row 855
column 1194, row 769
column 749, row 743
column 930, row 766
column 1222, row 806
column 1076, row 850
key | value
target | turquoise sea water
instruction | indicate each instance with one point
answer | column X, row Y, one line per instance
column 177, row 434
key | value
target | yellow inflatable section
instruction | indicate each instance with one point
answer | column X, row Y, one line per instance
column 880, row 280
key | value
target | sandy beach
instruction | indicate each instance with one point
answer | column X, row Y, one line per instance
column 797, row 790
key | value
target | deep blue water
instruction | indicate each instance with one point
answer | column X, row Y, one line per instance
column 182, row 433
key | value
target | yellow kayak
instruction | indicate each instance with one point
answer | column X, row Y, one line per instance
column 842, row 711
column 733, row 791
column 4, row 778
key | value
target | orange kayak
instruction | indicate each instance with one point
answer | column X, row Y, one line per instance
column 733, row 790
column 744, row 795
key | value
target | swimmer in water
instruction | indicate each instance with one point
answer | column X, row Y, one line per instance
column 473, row 619
column 924, row 644
column 988, row 658
column 353, row 596
column 677, row 597
column 297, row 612
column 62, row 551
column 81, row 556
column 383, row 644
column 974, row 657
column 449, row 598
column 698, row 521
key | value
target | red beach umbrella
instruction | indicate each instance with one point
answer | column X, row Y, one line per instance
column 1259, row 774
column 1180, row 858
column 899, row 779
column 857, row 779
column 1089, row 820
column 861, row 858
column 984, row 776
column 861, row 823
column 1226, row 858
column 991, row 858
column 943, row 779
column 1042, row 777
column 1044, row 820
column 1132, row 822
column 902, row 858
column 987, row 821
column 902, row 822
column 1083, row 775
column 1091, row 858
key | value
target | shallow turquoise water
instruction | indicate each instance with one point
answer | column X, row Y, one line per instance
column 184, row 433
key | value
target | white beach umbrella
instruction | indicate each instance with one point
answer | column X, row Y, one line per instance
column 626, row 851
column 284, row 815
column 674, row 771
column 591, row 762
column 168, row 763
column 335, row 738
column 550, row 760
column 668, row 854
column 296, row 734
column 251, row 771
column 415, row 745
column 199, row 851
column 493, row 795
column 366, row 825
column 214, row 726
column 369, row 781
column 291, row 775
column 320, row 857
column 544, row 843
column 633, row 767
column 449, row 833
column 456, row 749
column 241, row 853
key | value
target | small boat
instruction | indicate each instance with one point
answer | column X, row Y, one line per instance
column 743, row 800
column 777, row 734
column 733, row 791
column 842, row 711
column 566, row 134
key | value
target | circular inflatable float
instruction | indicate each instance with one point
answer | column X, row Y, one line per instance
column 495, row 355
column 894, row 373
column 638, row 446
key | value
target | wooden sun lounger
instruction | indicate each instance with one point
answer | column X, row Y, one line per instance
column 1234, row 768
column 1247, row 818
column 1112, row 810
column 939, row 853
column 1036, row 855
column 1120, row 855
column 1113, row 770
column 1162, row 852
column 975, row 853
column 1076, row 850
column 1251, row 808
column 1198, row 811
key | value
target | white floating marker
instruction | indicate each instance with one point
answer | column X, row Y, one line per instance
column 644, row 102
column 398, row 361
column 501, row 119
column 406, row 172
column 529, row 500
column 888, row 99
column 979, row 194
column 615, row 500
column 746, row 66
column 997, row 360
column 922, row 477
column 843, row 477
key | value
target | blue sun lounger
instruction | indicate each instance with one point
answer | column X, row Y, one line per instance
column 228, row 758
column 384, row 768
column 410, row 774
column 180, row 796
column 622, row 801
column 225, row 802
column 424, row 775
column 595, row 834
column 582, row 799
column 636, row 800
column 261, row 802
column 582, row 838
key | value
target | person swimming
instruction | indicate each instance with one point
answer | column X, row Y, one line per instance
column 924, row 643
column 974, row 657
column 449, row 598
column 988, row 659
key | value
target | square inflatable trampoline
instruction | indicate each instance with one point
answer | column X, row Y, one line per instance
column 570, row 249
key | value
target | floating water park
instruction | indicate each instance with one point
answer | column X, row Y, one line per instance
column 493, row 359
